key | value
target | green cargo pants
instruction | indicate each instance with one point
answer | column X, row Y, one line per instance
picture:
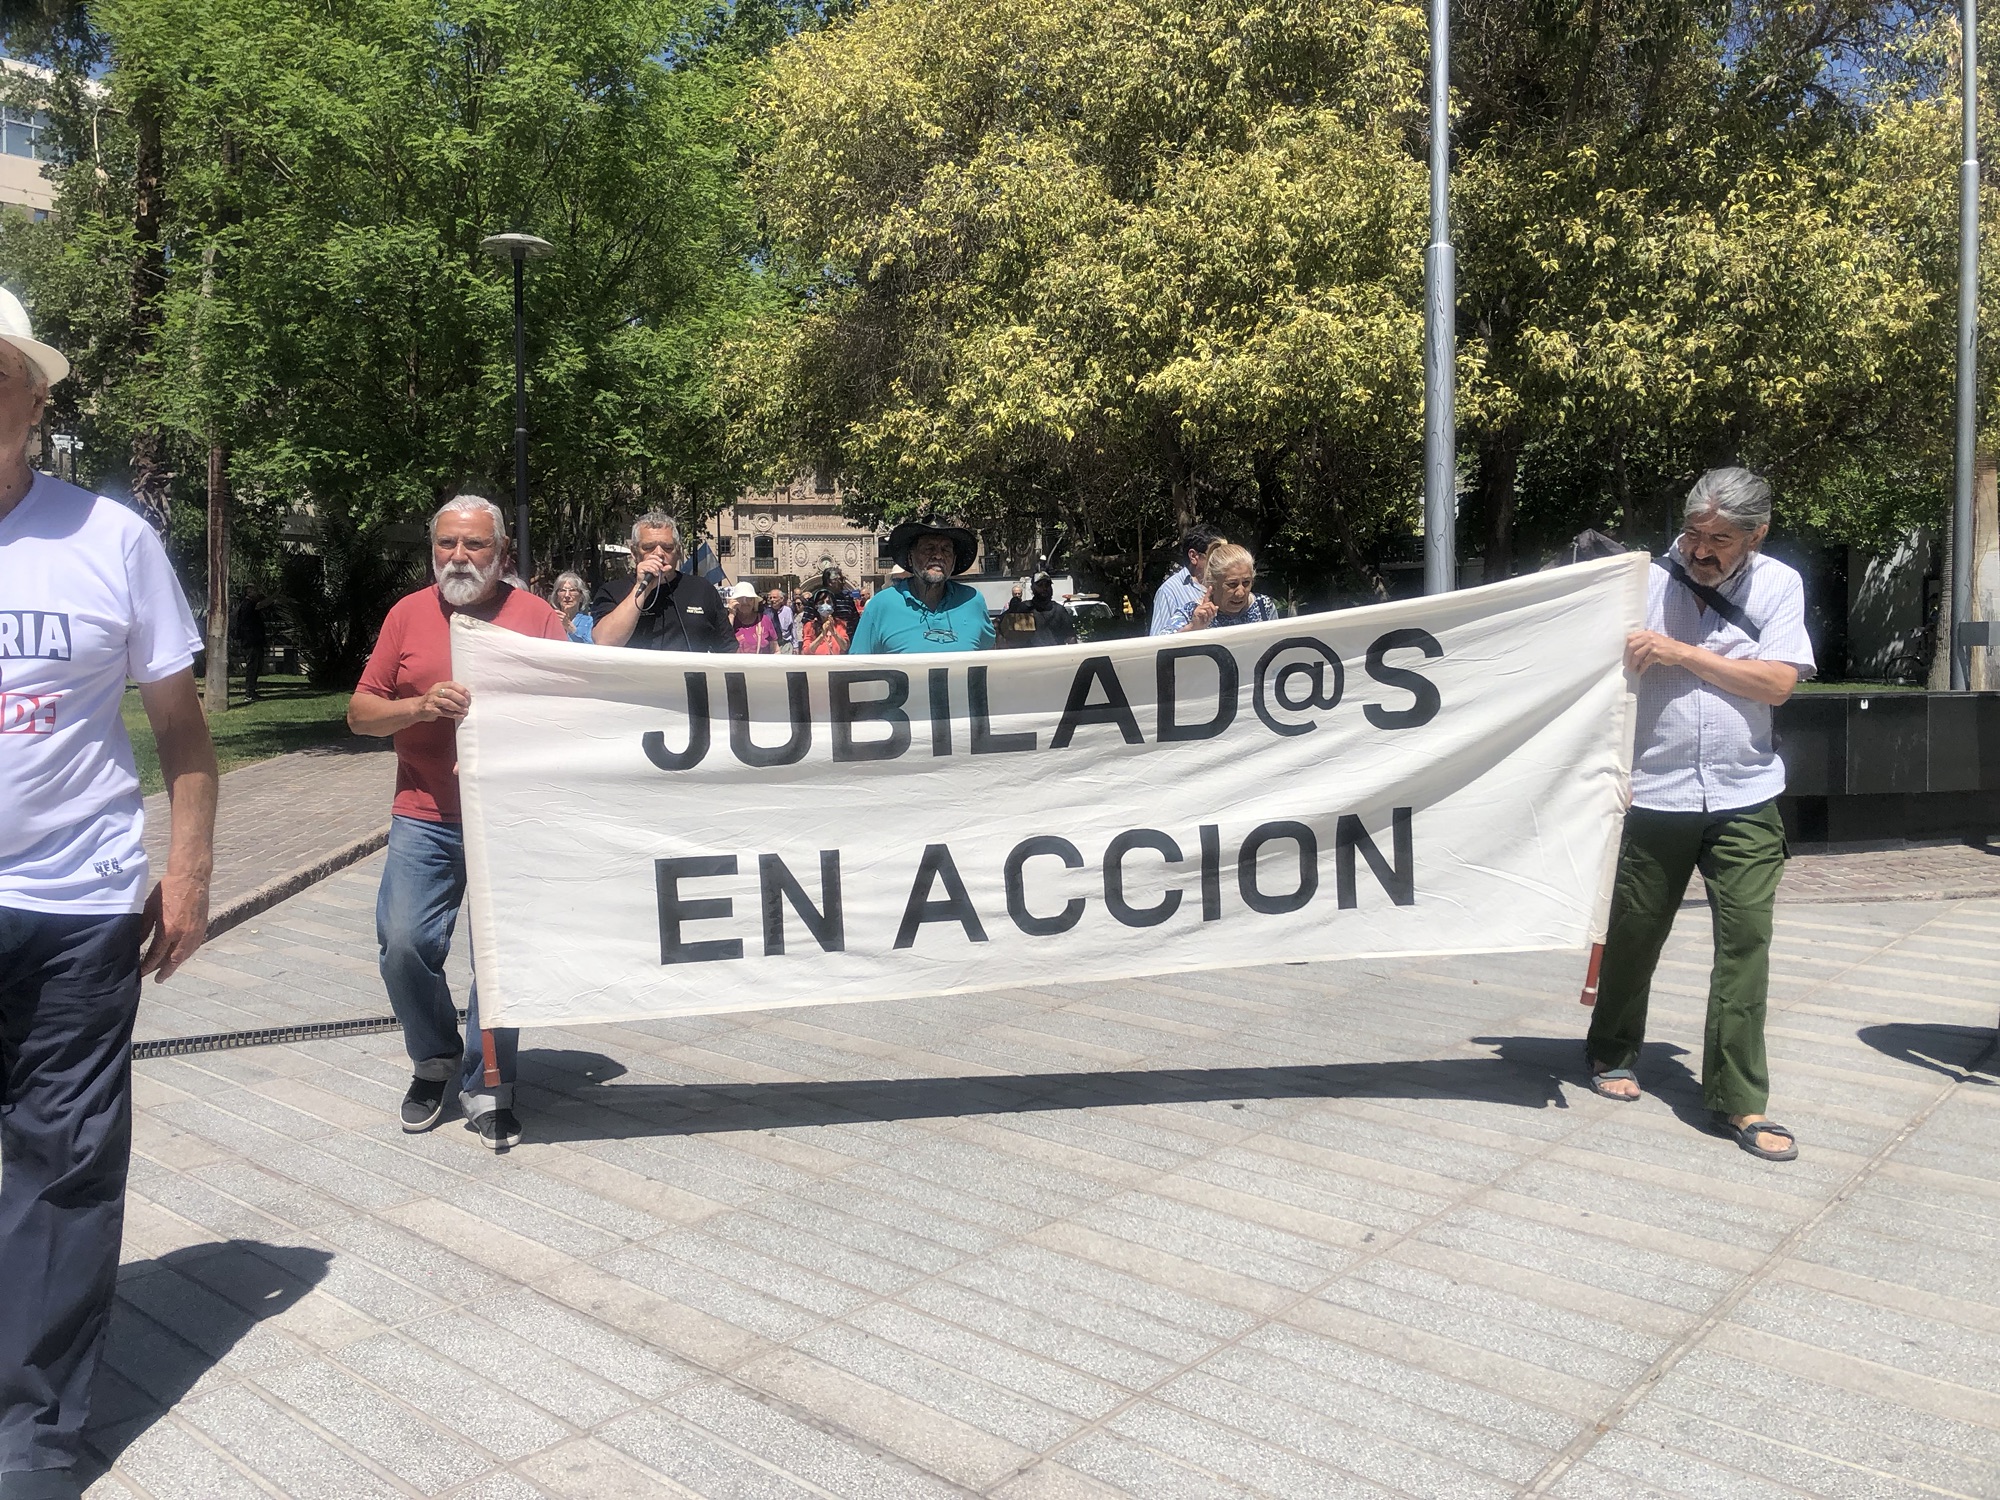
column 1740, row 854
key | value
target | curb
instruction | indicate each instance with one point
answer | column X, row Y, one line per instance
column 271, row 892
column 1856, row 898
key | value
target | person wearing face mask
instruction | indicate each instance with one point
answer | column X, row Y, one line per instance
column 823, row 632
column 926, row 611
column 407, row 691
column 1229, row 596
column 1725, row 642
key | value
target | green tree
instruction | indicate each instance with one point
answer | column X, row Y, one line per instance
column 1698, row 233
column 325, row 312
column 1101, row 266
column 1115, row 265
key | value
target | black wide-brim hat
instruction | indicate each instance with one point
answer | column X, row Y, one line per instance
column 964, row 545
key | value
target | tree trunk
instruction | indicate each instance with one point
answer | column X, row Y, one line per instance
column 215, row 686
column 1631, row 528
column 1499, row 470
column 1265, row 466
column 151, row 477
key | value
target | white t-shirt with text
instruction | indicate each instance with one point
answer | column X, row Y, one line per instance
column 87, row 599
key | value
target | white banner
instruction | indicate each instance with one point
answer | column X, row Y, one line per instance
column 655, row 834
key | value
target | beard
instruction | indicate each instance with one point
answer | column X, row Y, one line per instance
column 465, row 584
column 1711, row 574
column 932, row 575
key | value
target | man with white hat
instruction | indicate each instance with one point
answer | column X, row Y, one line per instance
column 87, row 599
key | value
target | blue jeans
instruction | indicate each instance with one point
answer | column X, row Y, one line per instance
column 69, row 988
column 415, row 912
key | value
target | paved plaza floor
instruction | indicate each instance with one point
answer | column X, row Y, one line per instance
column 1302, row 1231
column 284, row 823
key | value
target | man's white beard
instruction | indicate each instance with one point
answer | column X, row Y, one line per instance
column 464, row 584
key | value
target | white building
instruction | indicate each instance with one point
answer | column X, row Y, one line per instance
column 25, row 147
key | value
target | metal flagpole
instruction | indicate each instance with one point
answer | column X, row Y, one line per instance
column 1440, row 328
column 1963, row 633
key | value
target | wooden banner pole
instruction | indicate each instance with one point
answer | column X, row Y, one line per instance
column 1589, row 995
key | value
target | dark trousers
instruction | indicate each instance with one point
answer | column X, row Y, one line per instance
column 416, row 910
column 253, row 668
column 1740, row 855
column 69, row 988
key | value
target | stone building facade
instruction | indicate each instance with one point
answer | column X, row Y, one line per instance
column 788, row 535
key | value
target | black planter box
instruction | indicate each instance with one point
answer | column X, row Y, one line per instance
column 1887, row 767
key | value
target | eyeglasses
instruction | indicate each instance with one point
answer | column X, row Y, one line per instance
column 941, row 631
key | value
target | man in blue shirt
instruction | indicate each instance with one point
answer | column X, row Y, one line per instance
column 1185, row 587
column 926, row 611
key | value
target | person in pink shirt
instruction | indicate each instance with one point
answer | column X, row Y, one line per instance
column 407, row 691
column 756, row 628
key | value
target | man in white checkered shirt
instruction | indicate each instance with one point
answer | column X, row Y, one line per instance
column 1725, row 643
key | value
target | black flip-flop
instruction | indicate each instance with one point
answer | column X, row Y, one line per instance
column 1746, row 1137
column 1597, row 1081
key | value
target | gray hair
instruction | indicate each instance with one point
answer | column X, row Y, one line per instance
column 475, row 504
column 656, row 520
column 1737, row 495
column 570, row 577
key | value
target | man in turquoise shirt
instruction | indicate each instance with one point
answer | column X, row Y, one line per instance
column 926, row 611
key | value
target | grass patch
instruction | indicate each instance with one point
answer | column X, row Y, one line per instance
column 290, row 715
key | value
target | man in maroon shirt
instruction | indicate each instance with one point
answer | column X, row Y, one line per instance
column 406, row 691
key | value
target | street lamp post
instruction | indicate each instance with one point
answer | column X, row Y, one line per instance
column 1963, row 632
column 520, row 249
column 1440, row 330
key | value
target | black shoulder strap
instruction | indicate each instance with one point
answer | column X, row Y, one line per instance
column 1713, row 598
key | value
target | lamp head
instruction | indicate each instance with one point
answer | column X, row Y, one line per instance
column 517, row 246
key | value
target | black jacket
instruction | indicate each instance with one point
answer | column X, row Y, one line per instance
column 684, row 614
column 1028, row 622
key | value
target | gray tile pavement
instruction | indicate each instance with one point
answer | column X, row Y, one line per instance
column 1311, row 1231
column 288, row 816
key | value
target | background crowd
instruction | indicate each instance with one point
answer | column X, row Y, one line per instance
column 1213, row 585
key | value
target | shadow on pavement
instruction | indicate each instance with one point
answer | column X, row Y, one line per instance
column 178, row 1317
column 1962, row 1053
column 1524, row 1072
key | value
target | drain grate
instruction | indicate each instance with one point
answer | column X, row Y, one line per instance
column 269, row 1036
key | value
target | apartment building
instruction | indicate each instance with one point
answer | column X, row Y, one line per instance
column 25, row 146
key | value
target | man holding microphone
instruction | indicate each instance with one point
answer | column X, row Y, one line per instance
column 657, row 607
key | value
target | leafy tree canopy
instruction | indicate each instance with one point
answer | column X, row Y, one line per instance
column 325, row 311
column 1113, row 265
column 1098, row 265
